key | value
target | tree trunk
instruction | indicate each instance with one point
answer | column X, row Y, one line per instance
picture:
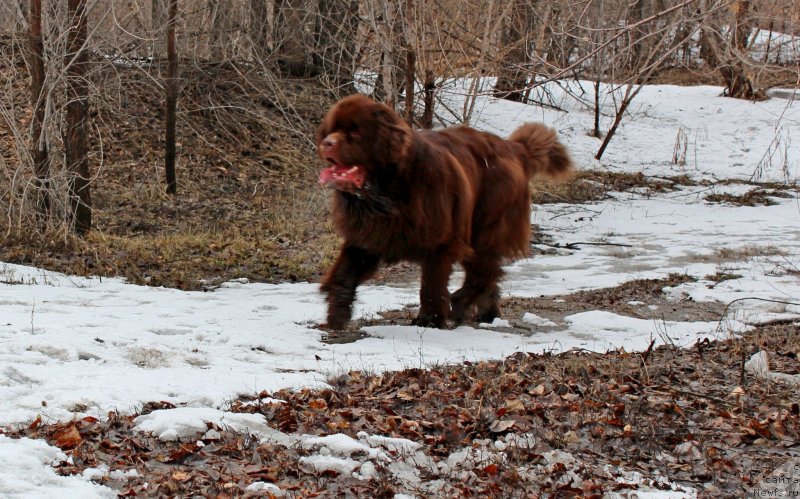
column 636, row 14
column 216, row 37
column 739, row 85
column 730, row 66
column 156, row 25
column 385, row 20
column 626, row 100
column 596, row 132
column 76, row 141
column 39, row 153
column 513, row 79
column 290, row 38
column 172, row 99
column 411, row 62
column 430, row 90
column 336, row 31
column 259, row 29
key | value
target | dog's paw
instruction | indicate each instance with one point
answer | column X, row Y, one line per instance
column 434, row 321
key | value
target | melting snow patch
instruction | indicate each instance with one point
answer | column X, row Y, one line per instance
column 267, row 487
column 26, row 471
column 401, row 445
column 536, row 320
column 342, row 445
column 759, row 366
column 658, row 488
column 319, row 463
column 497, row 322
column 184, row 422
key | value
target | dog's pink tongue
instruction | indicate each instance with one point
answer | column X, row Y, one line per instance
column 326, row 175
column 343, row 177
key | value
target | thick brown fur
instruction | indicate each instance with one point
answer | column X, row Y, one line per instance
column 435, row 198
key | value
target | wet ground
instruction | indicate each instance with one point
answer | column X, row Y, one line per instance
column 640, row 299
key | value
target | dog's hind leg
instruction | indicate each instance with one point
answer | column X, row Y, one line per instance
column 478, row 297
column 433, row 296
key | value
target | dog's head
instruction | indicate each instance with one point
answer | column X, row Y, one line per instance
column 362, row 141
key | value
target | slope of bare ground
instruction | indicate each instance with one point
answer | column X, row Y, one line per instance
column 248, row 204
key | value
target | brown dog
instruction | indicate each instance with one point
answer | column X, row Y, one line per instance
column 431, row 197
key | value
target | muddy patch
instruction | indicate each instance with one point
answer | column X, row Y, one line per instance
column 640, row 299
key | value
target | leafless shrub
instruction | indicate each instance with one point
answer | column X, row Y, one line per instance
column 237, row 61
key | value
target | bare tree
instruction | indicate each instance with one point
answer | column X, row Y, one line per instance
column 385, row 19
column 76, row 140
column 292, row 37
column 39, row 153
column 336, row 32
column 411, row 60
column 729, row 55
column 644, row 62
column 171, row 89
column 513, row 77
column 260, row 12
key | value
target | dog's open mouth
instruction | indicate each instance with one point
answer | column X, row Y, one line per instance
column 342, row 177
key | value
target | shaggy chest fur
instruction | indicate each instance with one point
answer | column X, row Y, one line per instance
column 395, row 230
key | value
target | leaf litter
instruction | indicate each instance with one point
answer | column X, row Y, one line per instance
column 684, row 421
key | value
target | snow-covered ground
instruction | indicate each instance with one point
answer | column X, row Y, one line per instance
column 71, row 347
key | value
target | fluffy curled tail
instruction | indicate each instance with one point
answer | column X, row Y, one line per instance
column 544, row 155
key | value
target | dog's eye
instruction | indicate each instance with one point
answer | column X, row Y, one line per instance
column 355, row 134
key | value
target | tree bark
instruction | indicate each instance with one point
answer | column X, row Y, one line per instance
column 259, row 29
column 636, row 14
column 171, row 89
column 39, row 152
column 512, row 79
column 729, row 62
column 156, row 25
column 336, row 31
column 429, row 93
column 76, row 141
column 411, row 62
column 290, row 38
column 739, row 85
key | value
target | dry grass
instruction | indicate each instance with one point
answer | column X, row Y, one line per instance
column 248, row 203
column 593, row 185
column 728, row 254
column 755, row 197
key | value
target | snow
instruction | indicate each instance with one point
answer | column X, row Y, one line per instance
column 758, row 365
column 318, row 463
column 73, row 346
column 269, row 488
column 536, row 320
column 183, row 422
column 26, row 472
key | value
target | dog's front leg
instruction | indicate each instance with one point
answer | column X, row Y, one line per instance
column 352, row 267
column 433, row 295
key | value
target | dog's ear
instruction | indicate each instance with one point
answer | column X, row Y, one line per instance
column 393, row 135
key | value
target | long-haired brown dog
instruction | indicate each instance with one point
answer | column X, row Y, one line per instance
column 431, row 197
